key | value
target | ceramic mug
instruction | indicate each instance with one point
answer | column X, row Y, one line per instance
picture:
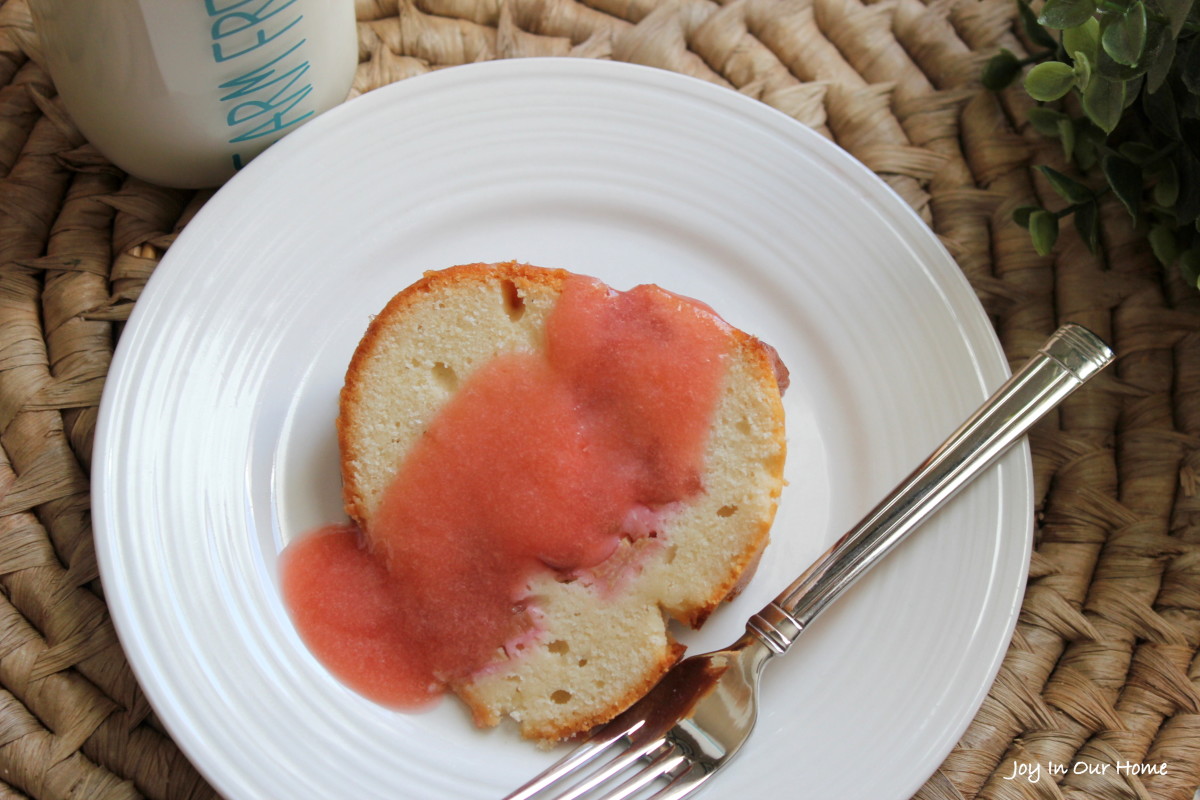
column 185, row 92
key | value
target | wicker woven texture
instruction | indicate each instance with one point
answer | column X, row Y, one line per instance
column 1103, row 668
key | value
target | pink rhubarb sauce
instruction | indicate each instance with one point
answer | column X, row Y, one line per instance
column 538, row 462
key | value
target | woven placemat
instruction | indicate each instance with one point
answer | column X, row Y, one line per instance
column 1103, row 668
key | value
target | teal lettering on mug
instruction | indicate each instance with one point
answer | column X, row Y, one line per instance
column 244, row 112
column 261, row 37
column 214, row 11
column 248, row 19
column 266, row 98
column 278, row 121
column 260, row 78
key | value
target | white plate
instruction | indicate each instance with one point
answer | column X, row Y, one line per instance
column 216, row 445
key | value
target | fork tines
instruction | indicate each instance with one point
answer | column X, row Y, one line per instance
column 583, row 773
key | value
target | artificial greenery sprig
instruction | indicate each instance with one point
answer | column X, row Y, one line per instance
column 1133, row 66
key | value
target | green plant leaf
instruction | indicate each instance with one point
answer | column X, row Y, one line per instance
column 1176, row 12
column 1166, row 188
column 1070, row 189
column 1087, row 138
column 1043, row 231
column 1139, row 153
column 1189, row 266
column 1125, row 178
column 1163, row 243
column 1124, row 35
column 1033, row 30
column 1133, row 88
column 1049, row 80
column 1087, row 218
column 1021, row 214
column 1083, row 38
column 1066, row 13
column 1189, row 66
column 1103, row 102
column 1160, row 55
column 1113, row 70
column 1046, row 120
column 1000, row 70
column 1066, row 134
column 1083, row 69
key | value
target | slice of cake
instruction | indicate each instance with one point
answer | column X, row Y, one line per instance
column 544, row 470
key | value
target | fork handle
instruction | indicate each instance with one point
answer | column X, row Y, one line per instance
column 1070, row 357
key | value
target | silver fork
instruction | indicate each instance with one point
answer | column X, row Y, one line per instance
column 702, row 711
